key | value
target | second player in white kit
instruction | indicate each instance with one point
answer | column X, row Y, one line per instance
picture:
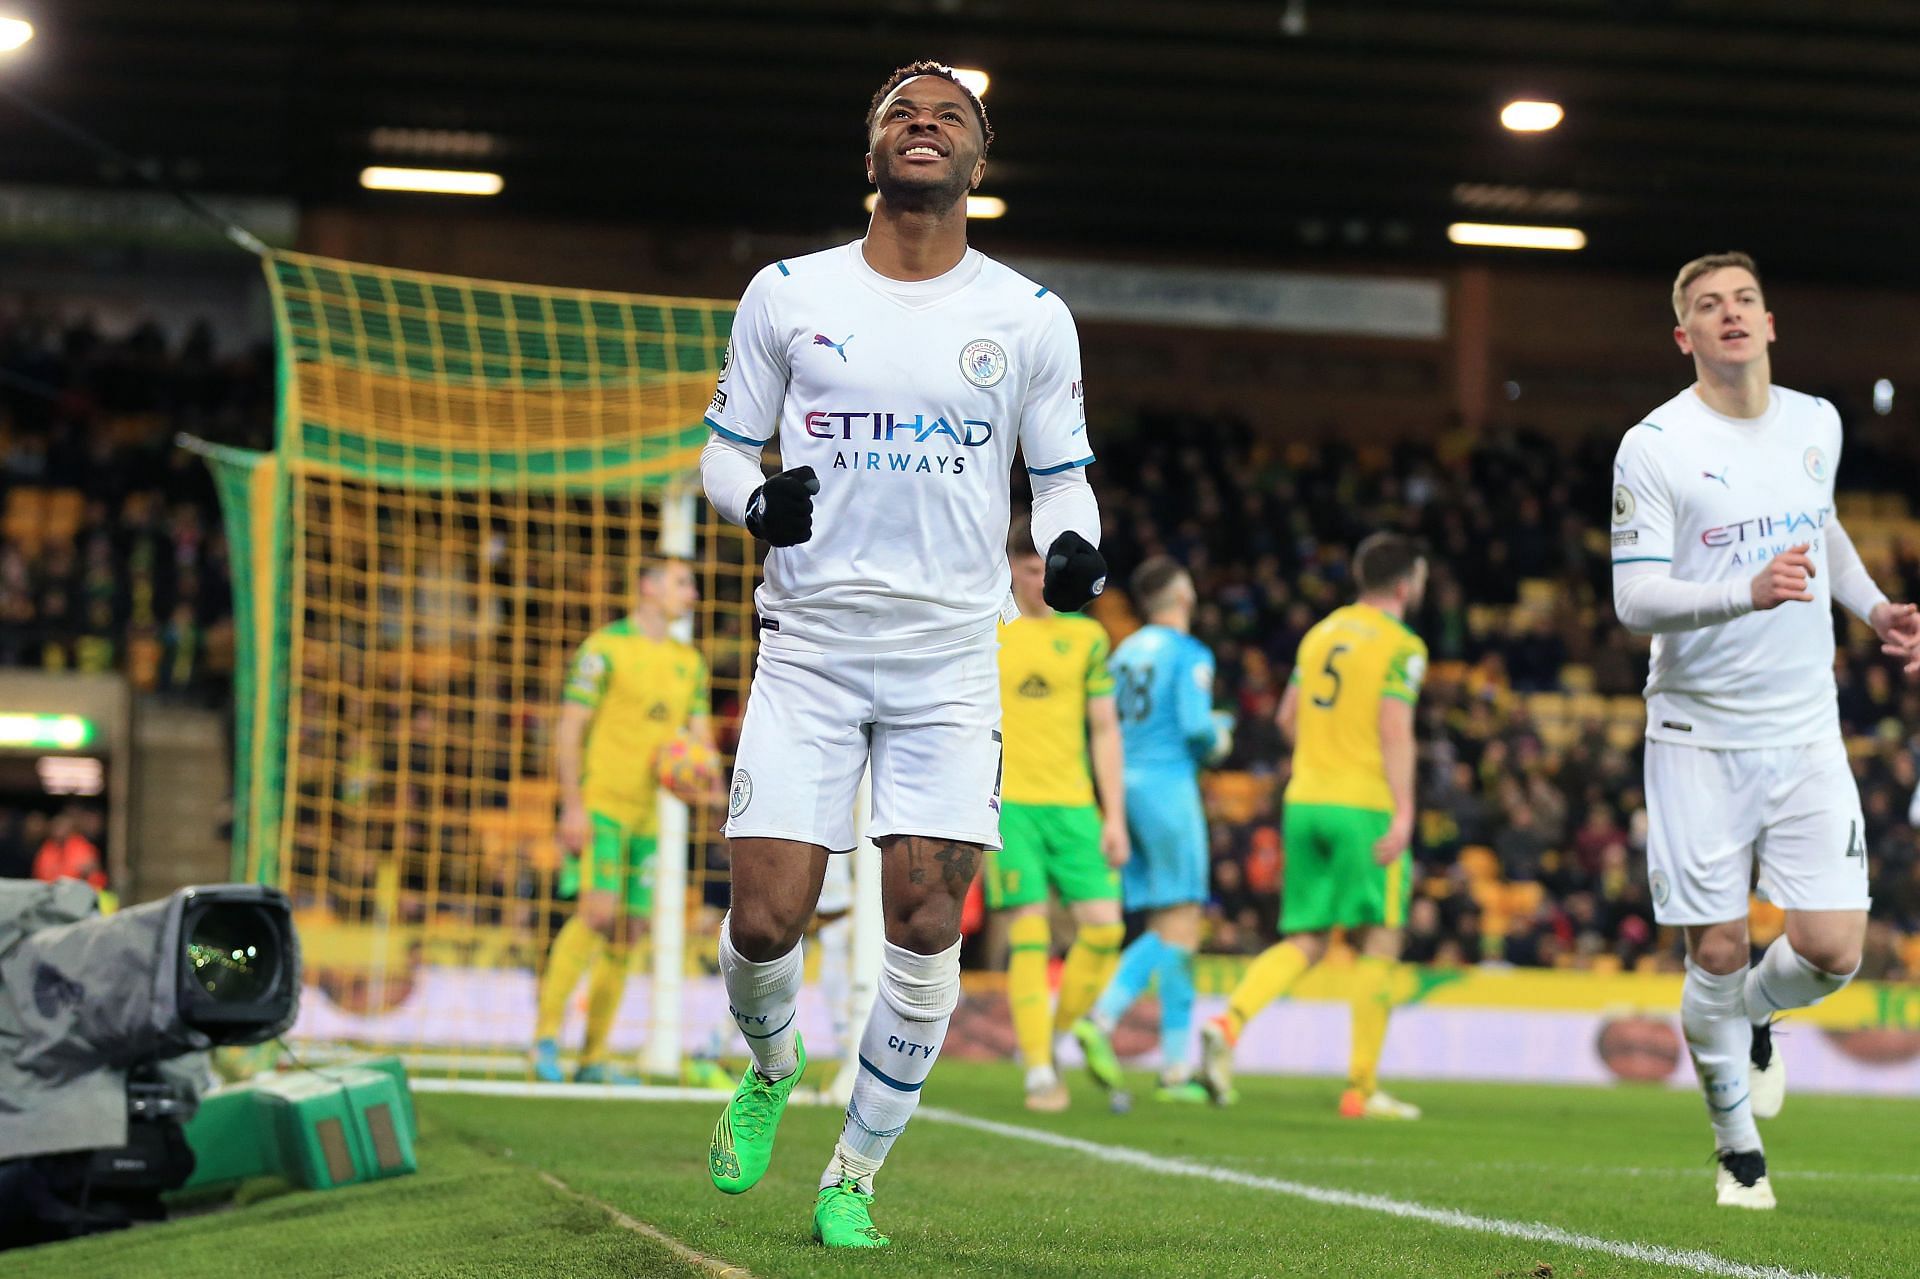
column 1727, row 549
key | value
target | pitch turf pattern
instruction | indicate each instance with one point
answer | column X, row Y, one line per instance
column 1627, row 1165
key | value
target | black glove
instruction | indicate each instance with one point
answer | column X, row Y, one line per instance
column 781, row 510
column 1076, row 572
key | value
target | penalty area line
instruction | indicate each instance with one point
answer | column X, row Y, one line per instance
column 700, row 1261
column 1689, row 1259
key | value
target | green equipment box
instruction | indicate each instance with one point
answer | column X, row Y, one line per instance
column 317, row 1128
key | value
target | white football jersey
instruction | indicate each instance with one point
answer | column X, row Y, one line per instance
column 907, row 399
column 1717, row 497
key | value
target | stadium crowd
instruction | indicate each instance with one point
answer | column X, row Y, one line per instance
column 1533, row 822
column 111, row 550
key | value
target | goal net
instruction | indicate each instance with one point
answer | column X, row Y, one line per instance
column 464, row 476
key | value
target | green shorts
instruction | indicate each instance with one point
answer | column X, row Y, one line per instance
column 1331, row 875
column 1042, row 844
column 615, row 861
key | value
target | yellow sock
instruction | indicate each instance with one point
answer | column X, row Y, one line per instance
column 574, row 950
column 604, row 987
column 1029, row 939
column 1268, row 977
column 1091, row 959
column 1372, row 1000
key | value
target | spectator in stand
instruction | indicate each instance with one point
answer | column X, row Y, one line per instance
column 68, row 853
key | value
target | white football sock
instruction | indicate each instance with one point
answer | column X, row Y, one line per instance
column 918, row 994
column 1784, row 979
column 763, row 999
column 1713, row 1012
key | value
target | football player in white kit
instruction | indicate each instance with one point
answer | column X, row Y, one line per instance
column 1728, row 551
column 898, row 374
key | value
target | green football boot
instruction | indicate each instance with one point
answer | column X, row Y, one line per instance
column 841, row 1220
column 1101, row 1063
column 743, row 1139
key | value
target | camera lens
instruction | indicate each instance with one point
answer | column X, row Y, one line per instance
column 234, row 953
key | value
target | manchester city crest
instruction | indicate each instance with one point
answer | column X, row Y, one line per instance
column 983, row 362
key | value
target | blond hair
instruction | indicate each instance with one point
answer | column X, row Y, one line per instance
column 1702, row 266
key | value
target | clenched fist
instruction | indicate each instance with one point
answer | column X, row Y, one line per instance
column 1786, row 577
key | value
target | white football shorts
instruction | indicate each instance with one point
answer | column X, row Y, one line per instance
column 930, row 720
column 1712, row 814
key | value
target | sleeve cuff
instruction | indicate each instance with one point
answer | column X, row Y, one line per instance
column 735, row 436
column 1048, row 470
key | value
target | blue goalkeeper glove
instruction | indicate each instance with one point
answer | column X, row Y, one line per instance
column 781, row 510
column 1076, row 572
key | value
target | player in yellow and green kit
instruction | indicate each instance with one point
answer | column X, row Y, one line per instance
column 631, row 689
column 1057, row 717
column 1349, row 816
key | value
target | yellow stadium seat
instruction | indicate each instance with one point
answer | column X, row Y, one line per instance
column 1626, row 708
column 1559, row 734
column 1576, row 677
column 1484, row 619
column 1547, row 706
column 1235, row 796
column 1539, row 593
column 1523, row 898
column 1586, row 707
column 64, row 509
column 25, row 519
column 1910, row 954
column 1480, row 863
column 1624, row 737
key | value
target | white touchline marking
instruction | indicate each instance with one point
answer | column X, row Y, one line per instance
column 599, row 1092
column 693, row 1257
column 1582, row 1170
column 1704, row 1263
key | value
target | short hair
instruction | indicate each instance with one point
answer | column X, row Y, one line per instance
column 945, row 72
column 1152, row 579
column 1020, row 536
column 1703, row 265
column 1384, row 560
column 656, row 563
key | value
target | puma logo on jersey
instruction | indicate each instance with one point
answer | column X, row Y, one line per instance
column 839, row 348
column 1720, row 478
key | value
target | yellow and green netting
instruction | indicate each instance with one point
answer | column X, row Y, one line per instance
column 464, row 478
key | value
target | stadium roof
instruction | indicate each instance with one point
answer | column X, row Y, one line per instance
column 1350, row 130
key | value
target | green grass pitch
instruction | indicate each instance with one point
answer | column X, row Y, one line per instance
column 1624, row 1165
